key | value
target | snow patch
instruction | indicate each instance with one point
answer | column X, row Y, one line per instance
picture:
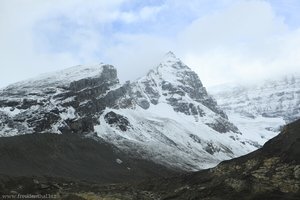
column 68, row 114
column 119, row 161
column 10, row 111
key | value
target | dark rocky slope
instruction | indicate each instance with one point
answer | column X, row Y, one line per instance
column 272, row 172
column 71, row 156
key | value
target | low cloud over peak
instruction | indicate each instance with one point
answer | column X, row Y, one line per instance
column 222, row 41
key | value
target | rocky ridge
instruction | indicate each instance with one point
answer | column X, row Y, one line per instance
column 272, row 98
column 262, row 107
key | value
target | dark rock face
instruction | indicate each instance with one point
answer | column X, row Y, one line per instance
column 60, row 107
column 84, row 125
column 107, row 77
column 222, row 126
column 117, row 120
column 43, row 121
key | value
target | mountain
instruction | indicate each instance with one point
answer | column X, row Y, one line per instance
column 272, row 98
column 166, row 116
column 269, row 173
column 262, row 107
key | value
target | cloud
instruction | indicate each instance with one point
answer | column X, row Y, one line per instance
column 145, row 13
column 42, row 36
column 222, row 40
column 28, row 50
column 242, row 22
column 135, row 55
column 18, row 56
column 246, row 42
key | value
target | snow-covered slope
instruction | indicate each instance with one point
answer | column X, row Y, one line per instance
column 62, row 78
column 262, row 108
column 174, row 120
column 174, row 83
column 64, row 101
column 166, row 116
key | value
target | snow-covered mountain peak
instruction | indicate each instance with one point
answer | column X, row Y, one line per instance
column 173, row 71
column 170, row 58
column 171, row 64
column 173, row 83
column 63, row 77
column 76, row 77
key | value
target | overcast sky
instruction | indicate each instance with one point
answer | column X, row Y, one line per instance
column 222, row 40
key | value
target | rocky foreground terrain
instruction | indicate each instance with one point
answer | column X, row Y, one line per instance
column 272, row 172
